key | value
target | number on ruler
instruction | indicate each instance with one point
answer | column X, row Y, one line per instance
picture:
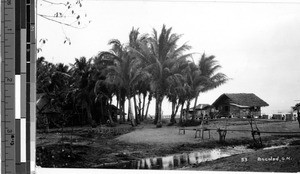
column 32, row 28
column 9, row 131
column 12, row 141
column 9, row 79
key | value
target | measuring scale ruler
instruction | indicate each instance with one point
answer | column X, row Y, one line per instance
column 18, row 84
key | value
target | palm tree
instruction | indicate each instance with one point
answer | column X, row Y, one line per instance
column 104, row 92
column 54, row 82
column 209, row 78
column 160, row 54
column 176, row 89
column 126, row 71
column 45, row 71
column 83, row 85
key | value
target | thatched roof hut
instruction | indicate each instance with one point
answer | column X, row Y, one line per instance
column 242, row 100
column 43, row 105
column 202, row 106
column 239, row 104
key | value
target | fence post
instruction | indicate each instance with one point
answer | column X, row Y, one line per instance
column 222, row 135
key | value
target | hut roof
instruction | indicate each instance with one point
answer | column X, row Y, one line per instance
column 242, row 99
column 202, row 106
column 43, row 105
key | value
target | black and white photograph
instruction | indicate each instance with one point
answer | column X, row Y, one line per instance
column 192, row 85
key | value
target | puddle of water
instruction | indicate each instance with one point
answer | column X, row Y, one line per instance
column 185, row 159
column 181, row 160
column 275, row 147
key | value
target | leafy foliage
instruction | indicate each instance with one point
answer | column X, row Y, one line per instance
column 147, row 66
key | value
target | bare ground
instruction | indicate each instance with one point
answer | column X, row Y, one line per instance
column 170, row 135
column 90, row 148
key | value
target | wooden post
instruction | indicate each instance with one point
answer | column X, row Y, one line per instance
column 222, row 135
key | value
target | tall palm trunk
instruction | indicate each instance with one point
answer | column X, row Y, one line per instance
column 143, row 108
column 149, row 100
column 118, row 101
column 122, row 102
column 181, row 113
column 140, row 108
column 137, row 120
column 101, row 110
column 156, row 109
column 194, row 110
column 172, row 120
column 119, row 105
column 89, row 114
column 159, row 112
column 130, row 116
column 177, row 107
column 109, row 112
column 187, row 109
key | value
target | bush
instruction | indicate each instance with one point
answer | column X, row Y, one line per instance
column 42, row 122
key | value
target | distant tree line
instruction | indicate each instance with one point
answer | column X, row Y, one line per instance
column 148, row 66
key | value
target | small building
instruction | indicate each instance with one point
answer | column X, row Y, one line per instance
column 44, row 112
column 289, row 117
column 264, row 116
column 201, row 110
column 239, row 105
column 277, row 116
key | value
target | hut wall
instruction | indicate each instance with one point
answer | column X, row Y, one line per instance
column 225, row 109
column 288, row 117
column 235, row 112
column 277, row 116
column 256, row 113
column 199, row 113
column 244, row 112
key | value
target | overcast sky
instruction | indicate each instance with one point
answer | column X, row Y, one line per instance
column 257, row 44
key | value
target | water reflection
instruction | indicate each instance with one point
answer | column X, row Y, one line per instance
column 180, row 160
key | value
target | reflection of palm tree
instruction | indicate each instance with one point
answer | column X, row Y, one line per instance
column 147, row 163
column 176, row 161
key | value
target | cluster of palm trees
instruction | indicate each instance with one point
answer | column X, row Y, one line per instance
column 148, row 66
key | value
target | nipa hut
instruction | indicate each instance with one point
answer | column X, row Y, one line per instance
column 239, row 105
column 201, row 110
